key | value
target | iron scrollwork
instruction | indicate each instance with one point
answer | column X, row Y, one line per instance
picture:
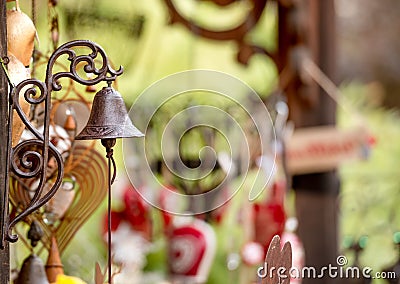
column 237, row 33
column 29, row 159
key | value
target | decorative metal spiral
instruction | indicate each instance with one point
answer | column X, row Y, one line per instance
column 29, row 159
column 235, row 33
column 104, row 73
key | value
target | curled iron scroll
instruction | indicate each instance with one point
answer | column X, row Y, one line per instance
column 104, row 73
column 28, row 162
column 236, row 33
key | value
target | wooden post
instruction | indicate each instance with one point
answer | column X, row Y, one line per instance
column 4, row 253
column 309, row 105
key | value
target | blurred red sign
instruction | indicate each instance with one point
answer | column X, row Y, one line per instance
column 318, row 149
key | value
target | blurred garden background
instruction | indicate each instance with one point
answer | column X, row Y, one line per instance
column 139, row 36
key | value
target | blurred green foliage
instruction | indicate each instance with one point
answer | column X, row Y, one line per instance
column 370, row 189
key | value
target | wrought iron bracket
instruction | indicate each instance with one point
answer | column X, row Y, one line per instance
column 29, row 159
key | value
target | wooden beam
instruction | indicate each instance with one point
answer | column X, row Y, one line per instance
column 309, row 105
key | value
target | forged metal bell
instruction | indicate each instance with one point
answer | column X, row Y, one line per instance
column 108, row 118
column 32, row 271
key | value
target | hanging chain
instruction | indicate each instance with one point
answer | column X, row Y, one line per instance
column 53, row 21
column 34, row 9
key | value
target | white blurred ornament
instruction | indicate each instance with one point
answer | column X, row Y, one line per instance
column 129, row 251
column 297, row 247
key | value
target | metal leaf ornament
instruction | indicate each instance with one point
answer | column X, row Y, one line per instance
column 277, row 263
column 82, row 191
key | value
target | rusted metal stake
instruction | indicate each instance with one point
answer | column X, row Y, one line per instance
column 4, row 252
column 316, row 194
column 109, row 144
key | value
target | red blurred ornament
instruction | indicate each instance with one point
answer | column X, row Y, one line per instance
column 168, row 202
column 116, row 219
column 270, row 216
column 223, row 198
column 372, row 140
column 136, row 209
column 137, row 212
column 191, row 251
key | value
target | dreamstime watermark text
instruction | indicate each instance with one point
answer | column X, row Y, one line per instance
column 338, row 270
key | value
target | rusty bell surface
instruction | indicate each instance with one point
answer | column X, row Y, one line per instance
column 109, row 118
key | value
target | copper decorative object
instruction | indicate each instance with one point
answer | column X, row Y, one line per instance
column 53, row 266
column 86, row 168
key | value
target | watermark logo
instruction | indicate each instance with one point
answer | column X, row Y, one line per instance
column 211, row 116
column 334, row 271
